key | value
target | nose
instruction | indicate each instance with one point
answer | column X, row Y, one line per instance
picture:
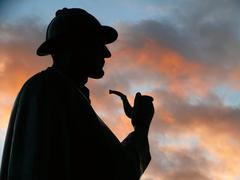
column 107, row 53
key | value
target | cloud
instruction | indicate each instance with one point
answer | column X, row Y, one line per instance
column 180, row 60
column 6, row 7
column 175, row 161
column 207, row 125
column 205, row 31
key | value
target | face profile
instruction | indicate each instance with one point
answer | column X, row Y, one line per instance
column 77, row 42
column 90, row 59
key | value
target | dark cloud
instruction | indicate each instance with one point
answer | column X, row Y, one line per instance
column 208, row 114
column 206, row 31
column 213, row 126
column 7, row 7
column 178, row 163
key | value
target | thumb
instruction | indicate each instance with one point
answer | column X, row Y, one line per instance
column 137, row 98
column 138, row 94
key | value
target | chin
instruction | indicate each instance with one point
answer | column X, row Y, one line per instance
column 97, row 75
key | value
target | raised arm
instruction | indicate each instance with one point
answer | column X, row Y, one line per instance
column 136, row 143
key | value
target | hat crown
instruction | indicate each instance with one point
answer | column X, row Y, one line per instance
column 73, row 26
column 72, row 22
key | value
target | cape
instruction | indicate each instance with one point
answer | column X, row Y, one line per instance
column 54, row 133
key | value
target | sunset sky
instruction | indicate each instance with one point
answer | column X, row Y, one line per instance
column 184, row 53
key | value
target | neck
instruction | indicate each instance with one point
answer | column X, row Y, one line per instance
column 78, row 78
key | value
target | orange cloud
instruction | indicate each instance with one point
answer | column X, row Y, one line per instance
column 181, row 76
column 172, row 79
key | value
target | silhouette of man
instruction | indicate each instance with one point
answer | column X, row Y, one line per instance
column 53, row 132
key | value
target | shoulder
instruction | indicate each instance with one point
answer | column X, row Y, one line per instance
column 33, row 82
column 44, row 80
column 50, row 85
column 38, row 86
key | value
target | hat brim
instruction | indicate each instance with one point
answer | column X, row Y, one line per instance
column 107, row 33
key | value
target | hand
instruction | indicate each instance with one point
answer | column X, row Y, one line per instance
column 143, row 112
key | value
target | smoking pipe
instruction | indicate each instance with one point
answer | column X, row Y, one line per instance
column 126, row 105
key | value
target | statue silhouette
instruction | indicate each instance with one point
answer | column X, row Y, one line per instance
column 53, row 132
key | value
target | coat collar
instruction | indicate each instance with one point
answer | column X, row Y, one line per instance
column 83, row 89
column 85, row 92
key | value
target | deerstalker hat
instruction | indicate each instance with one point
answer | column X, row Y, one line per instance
column 74, row 25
